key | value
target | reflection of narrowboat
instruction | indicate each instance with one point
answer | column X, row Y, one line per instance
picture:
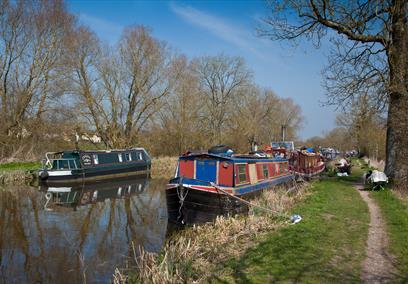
column 205, row 184
column 80, row 166
column 93, row 192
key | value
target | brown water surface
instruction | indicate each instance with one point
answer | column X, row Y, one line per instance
column 81, row 233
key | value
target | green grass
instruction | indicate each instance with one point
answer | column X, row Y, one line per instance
column 327, row 246
column 19, row 166
column 395, row 213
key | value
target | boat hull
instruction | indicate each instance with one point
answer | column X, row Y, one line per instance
column 188, row 203
column 93, row 174
column 309, row 173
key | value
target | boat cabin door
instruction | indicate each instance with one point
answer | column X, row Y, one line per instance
column 252, row 173
column 206, row 170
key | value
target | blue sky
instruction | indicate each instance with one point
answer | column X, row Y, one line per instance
column 198, row 28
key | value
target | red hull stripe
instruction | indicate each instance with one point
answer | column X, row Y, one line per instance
column 202, row 188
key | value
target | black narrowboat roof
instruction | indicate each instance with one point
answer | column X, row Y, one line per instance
column 233, row 158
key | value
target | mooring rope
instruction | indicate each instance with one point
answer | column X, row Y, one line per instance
column 181, row 198
column 245, row 201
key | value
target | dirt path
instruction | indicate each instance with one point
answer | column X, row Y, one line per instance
column 377, row 267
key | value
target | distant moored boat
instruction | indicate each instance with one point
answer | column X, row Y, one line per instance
column 80, row 166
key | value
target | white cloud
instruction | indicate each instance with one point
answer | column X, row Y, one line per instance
column 228, row 32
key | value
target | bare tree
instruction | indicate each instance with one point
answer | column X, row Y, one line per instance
column 180, row 126
column 149, row 75
column 121, row 91
column 258, row 117
column 374, row 29
column 221, row 79
column 32, row 41
column 366, row 128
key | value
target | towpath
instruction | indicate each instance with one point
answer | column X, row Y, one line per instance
column 377, row 267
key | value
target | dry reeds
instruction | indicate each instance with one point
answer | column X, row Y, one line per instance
column 16, row 177
column 193, row 254
column 163, row 167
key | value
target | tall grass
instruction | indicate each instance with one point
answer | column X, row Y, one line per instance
column 193, row 254
column 16, row 177
column 164, row 167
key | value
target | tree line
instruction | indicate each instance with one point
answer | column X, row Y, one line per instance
column 58, row 79
column 360, row 128
column 369, row 58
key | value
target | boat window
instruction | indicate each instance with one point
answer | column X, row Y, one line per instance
column 140, row 156
column 120, row 158
column 265, row 171
column 72, row 164
column 128, row 156
column 55, row 164
column 242, row 173
column 63, row 165
column 277, row 169
column 96, row 159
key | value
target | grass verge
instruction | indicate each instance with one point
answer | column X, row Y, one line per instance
column 328, row 246
column 22, row 166
column 16, row 172
column 395, row 213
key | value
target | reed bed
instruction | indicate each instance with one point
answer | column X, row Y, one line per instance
column 16, row 177
column 163, row 167
column 195, row 254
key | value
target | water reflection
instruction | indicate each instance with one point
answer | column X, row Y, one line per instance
column 72, row 234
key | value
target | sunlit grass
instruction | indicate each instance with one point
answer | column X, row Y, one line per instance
column 395, row 213
column 327, row 246
column 19, row 166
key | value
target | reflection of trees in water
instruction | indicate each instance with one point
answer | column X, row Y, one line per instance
column 50, row 246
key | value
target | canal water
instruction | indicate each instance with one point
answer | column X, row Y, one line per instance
column 78, row 234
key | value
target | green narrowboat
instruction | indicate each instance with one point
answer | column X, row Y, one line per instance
column 78, row 166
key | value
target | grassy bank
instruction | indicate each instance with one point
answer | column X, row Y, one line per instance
column 327, row 246
column 16, row 172
column 395, row 213
column 194, row 253
column 19, row 166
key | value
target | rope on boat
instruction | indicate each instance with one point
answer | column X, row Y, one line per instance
column 245, row 201
column 181, row 199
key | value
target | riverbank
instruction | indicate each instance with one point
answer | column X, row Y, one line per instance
column 330, row 244
column 17, row 172
column 195, row 253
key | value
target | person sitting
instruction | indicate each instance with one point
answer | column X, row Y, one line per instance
column 367, row 176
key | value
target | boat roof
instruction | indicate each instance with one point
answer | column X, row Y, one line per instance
column 99, row 151
column 237, row 158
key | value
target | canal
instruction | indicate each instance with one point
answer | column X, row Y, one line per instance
column 78, row 234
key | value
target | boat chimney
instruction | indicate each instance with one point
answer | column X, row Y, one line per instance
column 283, row 132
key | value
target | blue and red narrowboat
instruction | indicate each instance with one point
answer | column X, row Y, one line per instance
column 206, row 184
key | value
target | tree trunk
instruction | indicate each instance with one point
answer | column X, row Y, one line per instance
column 397, row 126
